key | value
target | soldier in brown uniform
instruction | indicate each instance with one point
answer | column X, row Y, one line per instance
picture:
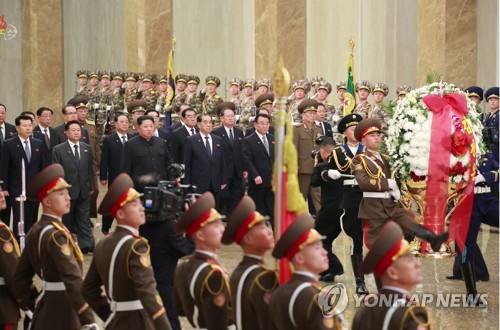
column 363, row 90
column 300, row 90
column 380, row 91
column 192, row 97
column 131, row 93
column 399, row 272
column 148, row 92
column 117, row 97
column 201, row 288
column 315, row 82
column 105, row 106
column 83, row 77
column 210, row 99
column 122, row 265
column 235, row 87
column 247, row 105
column 304, row 137
column 93, row 95
column 252, row 282
column 324, row 89
column 264, row 86
column 52, row 254
column 380, row 193
column 294, row 305
column 9, row 256
column 402, row 90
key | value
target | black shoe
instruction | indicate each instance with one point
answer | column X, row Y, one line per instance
column 469, row 275
column 87, row 251
column 483, row 279
column 454, row 277
column 427, row 235
column 361, row 289
column 328, row 277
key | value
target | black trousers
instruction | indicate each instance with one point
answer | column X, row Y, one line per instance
column 78, row 221
column 231, row 195
column 264, row 201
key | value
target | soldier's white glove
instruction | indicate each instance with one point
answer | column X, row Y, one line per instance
column 396, row 194
column 392, row 184
column 92, row 326
column 479, row 178
column 334, row 174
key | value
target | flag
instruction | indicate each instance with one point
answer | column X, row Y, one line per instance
column 171, row 85
column 349, row 97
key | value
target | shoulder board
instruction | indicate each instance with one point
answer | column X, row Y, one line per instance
column 7, row 237
column 89, row 122
column 59, row 227
column 153, row 92
column 217, row 96
column 186, row 258
column 137, row 244
column 418, row 314
column 215, row 266
column 266, row 280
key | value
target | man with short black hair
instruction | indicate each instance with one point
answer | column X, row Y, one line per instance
column 177, row 138
column 50, row 137
column 69, row 114
column 156, row 116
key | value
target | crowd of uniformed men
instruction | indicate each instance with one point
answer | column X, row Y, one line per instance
column 128, row 128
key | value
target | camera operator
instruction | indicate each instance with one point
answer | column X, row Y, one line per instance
column 167, row 248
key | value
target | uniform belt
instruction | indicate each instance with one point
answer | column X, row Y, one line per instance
column 2, row 281
column 54, row 286
column 376, row 194
column 124, row 306
column 481, row 190
column 350, row 182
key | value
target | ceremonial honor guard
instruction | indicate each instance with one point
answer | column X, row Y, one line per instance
column 235, row 87
column 381, row 193
column 247, row 105
column 363, row 107
column 252, row 283
column 210, row 99
column 118, row 100
column 192, row 97
column 122, row 265
column 294, row 305
column 399, row 271
column 402, row 90
column 264, row 86
column 94, row 96
column 314, row 82
column 179, row 97
column 148, row 92
column 201, row 287
column 131, row 93
column 83, row 77
column 264, row 104
column 104, row 116
column 380, row 91
column 52, row 254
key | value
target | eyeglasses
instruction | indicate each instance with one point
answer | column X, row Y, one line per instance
column 206, row 122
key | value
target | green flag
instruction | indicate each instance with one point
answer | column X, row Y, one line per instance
column 350, row 99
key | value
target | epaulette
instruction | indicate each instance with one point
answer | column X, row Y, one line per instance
column 9, row 242
column 144, row 257
column 152, row 92
column 89, row 122
column 266, row 280
column 414, row 312
column 216, row 283
column 217, row 96
column 65, row 247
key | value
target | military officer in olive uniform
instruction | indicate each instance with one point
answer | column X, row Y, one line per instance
column 210, row 99
column 252, row 282
column 93, row 95
column 117, row 97
column 380, row 193
column 83, row 77
column 380, row 91
column 264, row 86
column 148, row 92
column 122, row 265
column 339, row 113
column 294, row 305
column 192, row 97
column 247, row 105
column 178, row 99
column 105, row 106
column 304, row 137
column 52, row 254
column 399, row 271
column 300, row 90
column 315, row 82
column 201, row 287
column 235, row 87
column 363, row 90
column 402, row 90
column 324, row 89
column 131, row 93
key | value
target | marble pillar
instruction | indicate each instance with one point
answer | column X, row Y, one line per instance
column 487, row 43
column 266, row 38
column 42, row 54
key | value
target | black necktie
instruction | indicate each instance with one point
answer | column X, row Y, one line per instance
column 266, row 144
column 231, row 137
column 124, row 139
column 47, row 139
column 207, row 145
column 77, row 154
column 192, row 131
column 1, row 134
column 27, row 150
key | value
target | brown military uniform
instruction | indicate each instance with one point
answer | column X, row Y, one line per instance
column 210, row 102
column 209, row 299
column 381, row 115
column 133, row 281
column 247, row 111
column 9, row 256
column 151, row 96
column 363, row 108
column 304, row 139
column 52, row 254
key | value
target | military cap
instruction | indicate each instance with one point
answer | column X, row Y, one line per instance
column 237, row 82
column 119, row 194
column 403, row 89
column 104, row 74
column 192, row 79
column 147, row 77
column 162, row 79
column 341, row 85
column 250, row 83
column 212, row 80
column 367, row 126
column 475, row 91
column 131, row 76
column 264, row 82
column 137, row 105
column 79, row 101
column 243, row 218
column 492, row 92
column 316, row 80
column 82, row 74
column 117, row 75
column 46, row 181
column 139, row 75
column 363, row 84
column 381, row 87
column 348, row 121
column 94, row 74
column 264, row 99
column 200, row 214
column 308, row 105
column 387, row 248
column 303, row 84
column 181, row 77
column 300, row 234
column 323, row 84
column 223, row 106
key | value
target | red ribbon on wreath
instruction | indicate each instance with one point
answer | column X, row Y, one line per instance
column 442, row 146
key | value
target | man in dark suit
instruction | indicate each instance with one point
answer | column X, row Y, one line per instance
column 179, row 110
column 145, row 153
column 251, row 130
column 6, row 129
column 156, row 116
column 111, row 154
column 258, row 153
column 232, row 144
column 325, row 127
column 76, row 159
column 177, row 137
column 69, row 114
column 15, row 151
column 203, row 160
column 50, row 137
